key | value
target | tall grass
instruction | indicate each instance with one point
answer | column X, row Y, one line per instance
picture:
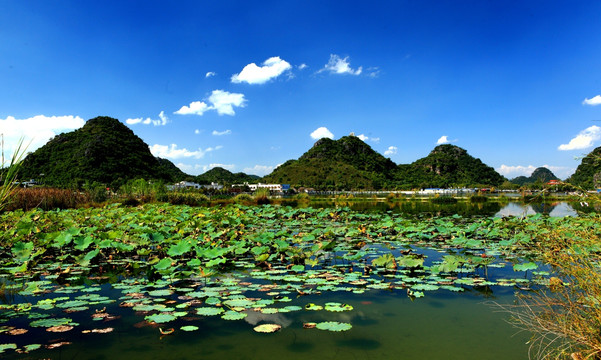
column 8, row 175
column 48, row 199
column 261, row 196
column 565, row 318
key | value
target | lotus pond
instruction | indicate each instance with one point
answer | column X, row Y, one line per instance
column 163, row 281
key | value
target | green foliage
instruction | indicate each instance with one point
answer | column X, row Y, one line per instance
column 588, row 173
column 8, row 175
column 261, row 196
column 350, row 164
column 243, row 199
column 103, row 151
column 447, row 166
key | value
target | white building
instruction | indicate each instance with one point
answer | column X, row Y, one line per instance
column 271, row 187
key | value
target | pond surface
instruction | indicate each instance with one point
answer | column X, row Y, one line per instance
column 386, row 324
column 376, row 284
column 463, row 208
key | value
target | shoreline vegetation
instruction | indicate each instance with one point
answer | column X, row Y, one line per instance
column 141, row 192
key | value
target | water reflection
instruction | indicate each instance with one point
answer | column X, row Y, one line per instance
column 558, row 209
column 463, row 208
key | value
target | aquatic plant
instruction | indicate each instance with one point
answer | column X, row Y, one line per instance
column 565, row 317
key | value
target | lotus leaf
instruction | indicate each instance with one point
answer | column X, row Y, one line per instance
column 4, row 347
column 22, row 251
column 51, row 322
column 233, row 315
column 160, row 292
column 525, row 267
column 333, row 326
column 267, row 328
column 160, row 318
column 209, row 311
column 189, row 328
column 337, row 307
column 313, row 307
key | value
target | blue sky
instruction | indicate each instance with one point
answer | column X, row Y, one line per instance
column 248, row 85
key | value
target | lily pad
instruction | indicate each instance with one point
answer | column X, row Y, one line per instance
column 233, row 315
column 267, row 328
column 209, row 311
column 189, row 328
column 160, row 318
column 333, row 326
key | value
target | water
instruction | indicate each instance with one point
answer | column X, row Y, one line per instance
column 463, row 208
column 386, row 324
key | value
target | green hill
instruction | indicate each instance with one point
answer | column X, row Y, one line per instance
column 539, row 175
column 104, row 150
column 447, row 166
column 224, row 176
column 588, row 173
column 344, row 164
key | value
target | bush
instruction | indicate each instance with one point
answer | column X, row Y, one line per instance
column 302, row 196
column 478, row 199
column 262, row 196
column 190, row 199
column 243, row 199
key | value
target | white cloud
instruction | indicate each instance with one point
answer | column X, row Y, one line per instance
column 35, row 131
column 373, row 72
column 391, row 150
column 195, row 108
column 513, row 171
column 596, row 100
column 302, row 66
column 197, row 131
column 260, row 170
column 585, row 139
column 172, row 151
column 221, row 133
column 363, row 137
column 321, row 133
column 338, row 65
column 444, row 140
column 253, row 74
column 224, row 101
column 209, row 74
column 163, row 120
column 221, row 101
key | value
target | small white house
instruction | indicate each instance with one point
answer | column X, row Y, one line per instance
column 186, row 185
column 271, row 187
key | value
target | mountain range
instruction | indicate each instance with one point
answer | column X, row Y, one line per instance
column 106, row 151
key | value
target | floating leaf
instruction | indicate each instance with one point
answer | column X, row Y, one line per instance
column 160, row 318
column 209, row 311
column 189, row 328
column 525, row 266
column 267, row 328
column 233, row 315
column 333, row 326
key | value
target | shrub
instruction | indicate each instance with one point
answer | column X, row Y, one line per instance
column 302, row 196
column 262, row 196
column 478, row 199
column 186, row 198
column 243, row 199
